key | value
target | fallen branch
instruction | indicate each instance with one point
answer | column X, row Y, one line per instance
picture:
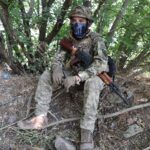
column 62, row 121
column 29, row 103
column 124, row 111
column 77, row 118
column 101, row 116
column 61, row 92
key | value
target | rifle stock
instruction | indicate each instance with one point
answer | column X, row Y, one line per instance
column 68, row 46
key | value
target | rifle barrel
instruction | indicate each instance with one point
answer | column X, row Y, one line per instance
column 116, row 90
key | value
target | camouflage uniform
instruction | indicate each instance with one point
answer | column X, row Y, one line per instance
column 93, row 45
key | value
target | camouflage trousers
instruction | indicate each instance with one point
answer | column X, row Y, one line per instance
column 92, row 89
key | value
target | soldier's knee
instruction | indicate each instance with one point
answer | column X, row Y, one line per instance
column 45, row 77
column 94, row 83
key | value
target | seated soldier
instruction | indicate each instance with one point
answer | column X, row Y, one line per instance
column 67, row 73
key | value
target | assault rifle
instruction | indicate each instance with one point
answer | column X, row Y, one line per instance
column 108, row 81
column 85, row 60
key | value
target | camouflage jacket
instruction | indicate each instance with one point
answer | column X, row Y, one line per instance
column 92, row 44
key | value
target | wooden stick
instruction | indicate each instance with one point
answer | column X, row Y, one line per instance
column 125, row 110
column 101, row 116
column 29, row 104
column 61, row 92
column 62, row 121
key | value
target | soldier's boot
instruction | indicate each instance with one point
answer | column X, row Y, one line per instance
column 63, row 144
column 37, row 122
column 86, row 140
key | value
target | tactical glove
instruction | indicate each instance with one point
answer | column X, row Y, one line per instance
column 57, row 75
column 71, row 81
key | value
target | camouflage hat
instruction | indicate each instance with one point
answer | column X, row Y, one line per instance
column 81, row 11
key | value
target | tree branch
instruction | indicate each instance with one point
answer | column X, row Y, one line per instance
column 139, row 70
column 102, row 116
column 118, row 18
column 30, row 12
column 45, row 14
column 101, row 2
column 140, row 58
column 4, row 15
column 87, row 3
column 77, row 118
column 59, row 22
column 25, row 20
column 3, row 51
column 12, row 40
column 50, row 2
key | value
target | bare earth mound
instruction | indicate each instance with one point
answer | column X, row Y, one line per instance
column 127, row 131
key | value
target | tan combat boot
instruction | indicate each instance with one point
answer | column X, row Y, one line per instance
column 86, row 140
column 37, row 122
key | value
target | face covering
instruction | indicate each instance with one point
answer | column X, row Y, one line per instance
column 79, row 30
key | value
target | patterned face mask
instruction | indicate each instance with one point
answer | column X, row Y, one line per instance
column 79, row 30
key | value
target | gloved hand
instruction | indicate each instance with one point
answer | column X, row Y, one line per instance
column 71, row 81
column 57, row 75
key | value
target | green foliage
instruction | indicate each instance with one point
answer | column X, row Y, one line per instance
column 132, row 31
column 131, row 36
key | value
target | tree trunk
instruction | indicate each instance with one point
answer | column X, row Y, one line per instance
column 3, row 53
column 138, row 60
column 115, row 24
column 11, row 42
column 87, row 3
column 100, row 4
column 45, row 14
column 9, row 31
column 59, row 22
column 26, row 19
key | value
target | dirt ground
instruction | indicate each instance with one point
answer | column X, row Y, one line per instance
column 17, row 103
